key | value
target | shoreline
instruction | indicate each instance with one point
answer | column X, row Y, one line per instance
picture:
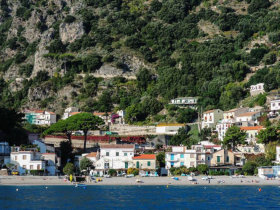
column 146, row 181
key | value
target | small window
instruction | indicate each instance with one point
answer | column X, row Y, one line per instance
column 38, row 167
column 181, row 163
column 24, row 166
column 182, row 156
column 117, row 153
column 149, row 163
column 107, row 153
column 125, row 154
column 208, row 158
column 15, row 157
column 24, row 157
column 31, row 167
column 227, row 159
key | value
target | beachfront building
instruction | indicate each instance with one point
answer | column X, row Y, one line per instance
column 4, row 153
column 211, row 118
column 190, row 102
column 252, row 132
column 69, row 112
column 146, row 163
column 266, row 172
column 248, row 119
column 257, row 89
column 29, row 159
column 40, row 117
column 115, row 156
column 169, row 128
column 222, row 157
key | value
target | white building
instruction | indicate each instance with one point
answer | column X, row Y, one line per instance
column 231, row 114
column 68, row 111
column 30, row 159
column 248, row 119
column 169, row 128
column 252, row 132
column 115, row 156
column 211, row 118
column 40, row 117
column 190, row 102
column 222, row 128
column 257, row 89
column 275, row 105
column 277, row 154
column 181, row 156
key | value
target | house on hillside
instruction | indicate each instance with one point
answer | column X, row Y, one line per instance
column 257, row 89
column 222, row 128
column 231, row 114
column 68, row 111
column 248, row 119
column 115, row 156
column 252, row 132
column 169, row 128
column 190, row 102
column 274, row 106
column 40, row 117
column 211, row 118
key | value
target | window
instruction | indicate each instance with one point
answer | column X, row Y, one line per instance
column 149, row 163
column 117, row 153
column 23, row 166
column 125, row 164
column 107, row 153
column 31, row 167
column 125, row 154
column 182, row 156
column 208, row 158
column 15, row 157
column 38, row 167
column 24, row 157
column 106, row 165
column 172, row 164
column 192, row 155
column 137, row 164
column 181, row 163
column 227, row 159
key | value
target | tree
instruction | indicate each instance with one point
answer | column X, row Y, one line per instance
column 256, row 5
column 134, row 171
column 144, row 77
column 249, row 167
column 66, row 152
column 161, row 159
column 203, row 168
column 112, row 172
column 85, row 164
column 85, row 122
column 65, row 126
column 69, row 169
column 186, row 115
column 270, row 150
column 269, row 134
column 234, row 136
column 182, row 137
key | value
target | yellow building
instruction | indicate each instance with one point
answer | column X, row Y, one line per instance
column 145, row 162
column 222, row 157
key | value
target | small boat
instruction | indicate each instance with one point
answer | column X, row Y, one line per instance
column 80, row 185
column 190, row 178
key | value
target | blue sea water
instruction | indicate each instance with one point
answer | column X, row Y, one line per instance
column 140, row 197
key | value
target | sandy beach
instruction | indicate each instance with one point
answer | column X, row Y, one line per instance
column 217, row 180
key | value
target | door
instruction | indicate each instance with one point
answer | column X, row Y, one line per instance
column 137, row 164
column 126, row 164
column 218, row 159
column 172, row 156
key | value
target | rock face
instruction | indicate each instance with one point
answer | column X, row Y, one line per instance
column 108, row 71
column 71, row 32
column 38, row 93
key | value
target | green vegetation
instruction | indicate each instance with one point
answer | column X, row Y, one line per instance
column 69, row 169
column 85, row 164
column 233, row 137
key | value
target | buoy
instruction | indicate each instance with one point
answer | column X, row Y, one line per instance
column 46, row 187
column 260, row 189
column 166, row 186
column 16, row 189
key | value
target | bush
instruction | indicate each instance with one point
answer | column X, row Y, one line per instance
column 256, row 5
column 203, row 168
column 274, row 37
column 112, row 172
column 19, row 58
column 26, row 70
column 270, row 58
column 85, row 163
column 36, row 172
column 179, row 170
column 92, row 62
column 69, row 19
column 249, row 167
column 69, row 168
column 134, row 171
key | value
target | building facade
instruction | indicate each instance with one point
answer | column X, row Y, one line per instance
column 248, row 119
column 211, row 118
column 190, row 102
column 257, row 89
column 169, row 128
column 252, row 132
column 145, row 163
column 40, row 117
column 275, row 105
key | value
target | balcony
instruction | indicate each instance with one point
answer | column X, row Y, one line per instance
column 173, row 160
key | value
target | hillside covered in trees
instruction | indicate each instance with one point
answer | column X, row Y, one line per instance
column 136, row 55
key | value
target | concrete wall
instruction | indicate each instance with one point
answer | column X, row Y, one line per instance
column 133, row 130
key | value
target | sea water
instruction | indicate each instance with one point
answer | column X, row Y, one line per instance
column 139, row 197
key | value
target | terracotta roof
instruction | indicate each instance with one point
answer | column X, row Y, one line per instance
column 48, row 153
column 92, row 154
column 73, row 113
column 39, row 111
column 247, row 114
column 211, row 146
column 118, row 146
column 51, row 112
column 145, row 157
column 101, row 113
column 170, row 124
column 251, row 128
